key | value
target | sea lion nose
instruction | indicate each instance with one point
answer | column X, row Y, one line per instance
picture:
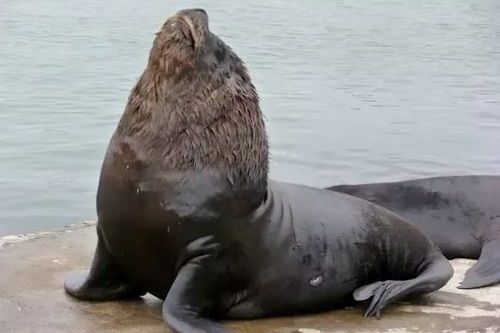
column 200, row 10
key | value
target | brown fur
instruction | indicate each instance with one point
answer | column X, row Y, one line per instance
column 195, row 107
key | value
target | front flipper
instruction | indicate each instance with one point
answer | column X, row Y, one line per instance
column 189, row 301
column 103, row 282
column 432, row 277
column 486, row 271
column 206, row 286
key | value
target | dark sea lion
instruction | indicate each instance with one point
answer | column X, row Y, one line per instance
column 461, row 215
column 185, row 210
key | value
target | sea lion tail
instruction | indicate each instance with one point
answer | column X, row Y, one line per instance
column 486, row 271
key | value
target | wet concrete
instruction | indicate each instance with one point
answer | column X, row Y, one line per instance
column 33, row 267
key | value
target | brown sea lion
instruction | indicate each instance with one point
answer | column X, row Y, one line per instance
column 186, row 211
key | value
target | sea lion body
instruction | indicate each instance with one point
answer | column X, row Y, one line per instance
column 186, row 211
column 320, row 244
column 307, row 250
column 461, row 215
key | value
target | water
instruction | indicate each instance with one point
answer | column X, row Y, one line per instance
column 353, row 91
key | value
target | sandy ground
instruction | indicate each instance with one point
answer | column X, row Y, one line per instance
column 33, row 267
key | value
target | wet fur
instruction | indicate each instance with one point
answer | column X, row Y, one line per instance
column 190, row 111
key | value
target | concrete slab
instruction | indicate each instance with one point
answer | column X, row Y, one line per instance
column 32, row 270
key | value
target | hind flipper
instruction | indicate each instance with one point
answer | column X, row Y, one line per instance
column 486, row 271
column 103, row 282
column 382, row 293
column 430, row 278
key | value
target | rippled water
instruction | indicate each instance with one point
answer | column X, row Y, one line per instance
column 353, row 91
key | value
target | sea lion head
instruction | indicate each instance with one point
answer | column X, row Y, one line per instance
column 184, row 43
column 195, row 108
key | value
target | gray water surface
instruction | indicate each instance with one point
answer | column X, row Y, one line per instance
column 352, row 91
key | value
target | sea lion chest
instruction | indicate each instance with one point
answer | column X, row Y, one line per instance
column 148, row 216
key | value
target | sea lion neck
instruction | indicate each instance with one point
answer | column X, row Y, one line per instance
column 207, row 118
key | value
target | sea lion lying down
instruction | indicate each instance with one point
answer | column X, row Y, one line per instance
column 186, row 212
column 461, row 215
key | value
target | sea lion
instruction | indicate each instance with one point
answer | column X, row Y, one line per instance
column 186, row 211
column 461, row 215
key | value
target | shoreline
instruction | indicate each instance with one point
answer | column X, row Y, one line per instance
column 8, row 240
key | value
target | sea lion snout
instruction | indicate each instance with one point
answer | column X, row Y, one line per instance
column 192, row 11
column 197, row 21
column 181, row 42
column 201, row 10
